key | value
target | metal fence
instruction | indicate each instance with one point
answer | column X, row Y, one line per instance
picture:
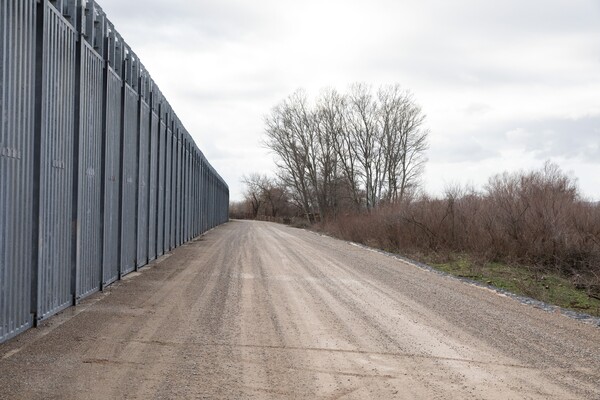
column 98, row 176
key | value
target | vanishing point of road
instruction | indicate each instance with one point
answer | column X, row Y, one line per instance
column 255, row 310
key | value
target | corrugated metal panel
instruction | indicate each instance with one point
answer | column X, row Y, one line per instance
column 143, row 175
column 215, row 193
column 202, row 195
column 17, row 57
column 211, row 192
column 199, row 190
column 178, row 187
column 193, row 174
column 205, row 196
column 153, row 180
column 89, row 218
column 168, row 187
column 197, row 202
column 54, row 285
column 129, row 180
column 184, row 176
column 195, row 191
column 173, row 191
column 112, row 177
column 162, row 154
column 189, row 215
column 190, row 188
column 174, row 185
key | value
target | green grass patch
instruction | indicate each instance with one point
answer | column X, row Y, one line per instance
column 548, row 287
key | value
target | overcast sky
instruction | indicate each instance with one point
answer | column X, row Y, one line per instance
column 505, row 84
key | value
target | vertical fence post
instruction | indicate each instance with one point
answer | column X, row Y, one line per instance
column 18, row 33
column 129, row 167
column 143, row 168
column 88, row 172
column 55, row 140
column 153, row 170
column 112, row 170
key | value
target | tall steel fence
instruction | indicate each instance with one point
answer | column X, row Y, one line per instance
column 98, row 176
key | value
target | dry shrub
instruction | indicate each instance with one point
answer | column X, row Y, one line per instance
column 535, row 218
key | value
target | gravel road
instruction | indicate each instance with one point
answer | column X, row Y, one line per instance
column 254, row 310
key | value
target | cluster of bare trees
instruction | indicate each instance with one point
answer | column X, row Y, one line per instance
column 348, row 151
column 264, row 196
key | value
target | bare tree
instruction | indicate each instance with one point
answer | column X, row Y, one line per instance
column 329, row 122
column 333, row 116
column 413, row 145
column 366, row 139
column 306, row 154
column 274, row 195
column 286, row 135
column 253, row 193
column 359, row 146
column 265, row 196
column 404, row 140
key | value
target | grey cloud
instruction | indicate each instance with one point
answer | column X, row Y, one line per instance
column 183, row 23
column 475, row 43
column 513, row 18
column 479, row 50
column 259, row 89
column 566, row 138
column 465, row 150
column 575, row 139
column 477, row 109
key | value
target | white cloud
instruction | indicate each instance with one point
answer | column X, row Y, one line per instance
column 505, row 84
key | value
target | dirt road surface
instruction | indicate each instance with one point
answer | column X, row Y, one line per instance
column 255, row 310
